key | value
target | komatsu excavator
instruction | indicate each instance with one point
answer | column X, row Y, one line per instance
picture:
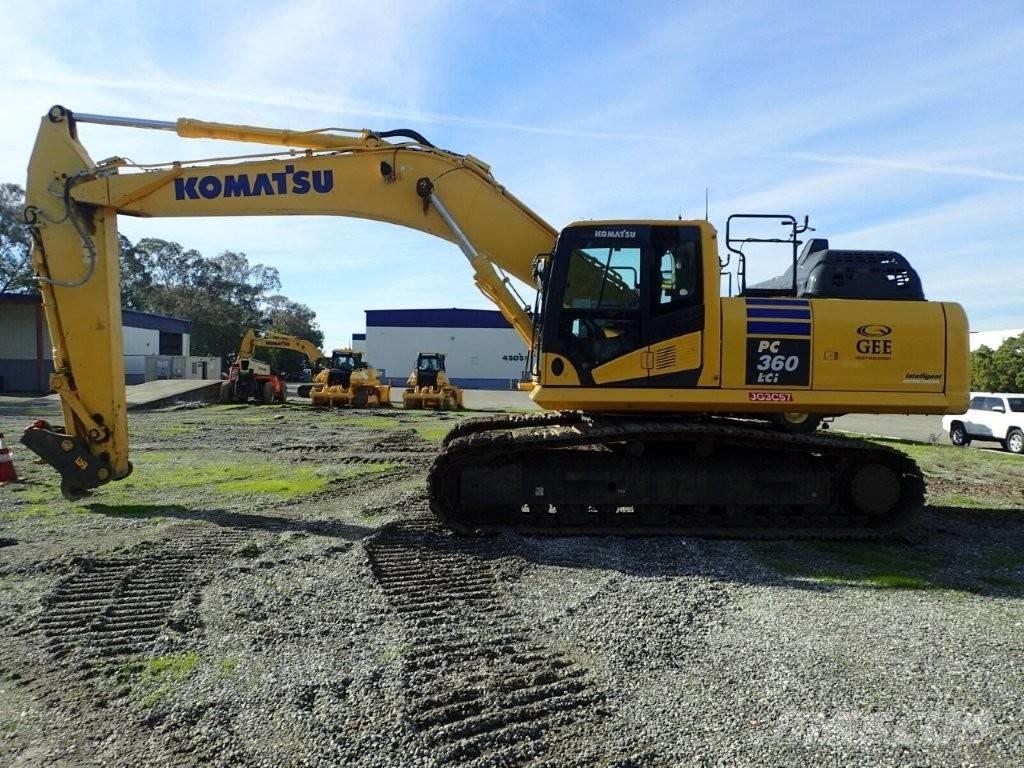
column 348, row 382
column 428, row 385
column 253, row 379
column 643, row 362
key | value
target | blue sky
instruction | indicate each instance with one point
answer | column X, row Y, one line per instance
column 894, row 125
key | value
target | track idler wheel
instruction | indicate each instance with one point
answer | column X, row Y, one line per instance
column 873, row 488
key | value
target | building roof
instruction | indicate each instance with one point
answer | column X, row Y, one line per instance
column 435, row 318
column 131, row 318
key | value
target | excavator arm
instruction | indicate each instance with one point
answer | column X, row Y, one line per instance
column 251, row 342
column 72, row 204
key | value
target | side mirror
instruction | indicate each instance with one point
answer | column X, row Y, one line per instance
column 999, row 409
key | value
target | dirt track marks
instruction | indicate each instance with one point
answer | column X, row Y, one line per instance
column 480, row 689
column 109, row 607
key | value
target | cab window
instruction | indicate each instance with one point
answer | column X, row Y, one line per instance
column 1016, row 404
column 677, row 276
column 603, row 278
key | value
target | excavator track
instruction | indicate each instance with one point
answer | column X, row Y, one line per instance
column 570, row 473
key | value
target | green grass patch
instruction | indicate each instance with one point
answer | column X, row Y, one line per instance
column 162, row 475
column 897, row 581
column 301, row 481
column 161, row 674
column 281, row 480
column 435, row 433
column 226, row 667
column 173, row 668
column 892, row 566
column 172, row 430
column 369, row 422
column 44, row 511
column 950, row 455
column 880, row 557
column 967, row 502
column 879, row 566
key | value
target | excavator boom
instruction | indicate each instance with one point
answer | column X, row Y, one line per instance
column 251, row 342
column 72, row 204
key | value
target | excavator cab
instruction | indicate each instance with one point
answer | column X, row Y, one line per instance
column 615, row 289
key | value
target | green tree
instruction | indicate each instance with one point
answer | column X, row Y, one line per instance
column 294, row 319
column 223, row 296
column 15, row 242
column 136, row 279
column 1000, row 369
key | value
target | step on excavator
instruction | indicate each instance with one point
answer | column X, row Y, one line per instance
column 250, row 379
column 658, row 385
column 348, row 382
column 429, row 386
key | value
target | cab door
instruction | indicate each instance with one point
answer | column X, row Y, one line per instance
column 674, row 307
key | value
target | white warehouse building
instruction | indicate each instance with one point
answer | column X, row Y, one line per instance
column 483, row 351
column 155, row 347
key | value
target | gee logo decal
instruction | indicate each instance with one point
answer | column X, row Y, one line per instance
column 874, row 343
column 286, row 182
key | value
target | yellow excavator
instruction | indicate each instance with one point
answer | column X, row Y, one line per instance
column 253, row 379
column 428, row 385
column 656, row 382
column 348, row 382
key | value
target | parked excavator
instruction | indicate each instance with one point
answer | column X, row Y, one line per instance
column 429, row 386
column 253, row 379
column 348, row 382
column 642, row 361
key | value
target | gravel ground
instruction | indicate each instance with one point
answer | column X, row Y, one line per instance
column 271, row 590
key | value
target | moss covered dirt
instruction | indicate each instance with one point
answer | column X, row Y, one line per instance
column 266, row 589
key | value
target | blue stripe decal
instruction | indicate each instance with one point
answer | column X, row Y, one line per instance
column 778, row 329
column 784, row 314
column 778, row 302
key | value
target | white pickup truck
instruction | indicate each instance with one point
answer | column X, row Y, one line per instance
column 994, row 416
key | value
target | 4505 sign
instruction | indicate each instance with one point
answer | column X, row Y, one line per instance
column 778, row 362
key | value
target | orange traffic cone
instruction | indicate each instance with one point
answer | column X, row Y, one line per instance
column 7, row 473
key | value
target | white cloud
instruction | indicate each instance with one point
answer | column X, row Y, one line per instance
column 897, row 131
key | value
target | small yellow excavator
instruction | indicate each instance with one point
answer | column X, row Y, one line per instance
column 252, row 379
column 429, row 386
column 348, row 382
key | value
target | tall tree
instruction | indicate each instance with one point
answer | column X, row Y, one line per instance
column 1000, row 369
column 15, row 242
column 136, row 278
column 294, row 319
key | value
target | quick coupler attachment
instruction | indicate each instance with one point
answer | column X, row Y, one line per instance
column 79, row 469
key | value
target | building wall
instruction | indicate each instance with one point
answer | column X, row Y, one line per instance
column 141, row 341
column 477, row 358
column 26, row 359
column 26, row 352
